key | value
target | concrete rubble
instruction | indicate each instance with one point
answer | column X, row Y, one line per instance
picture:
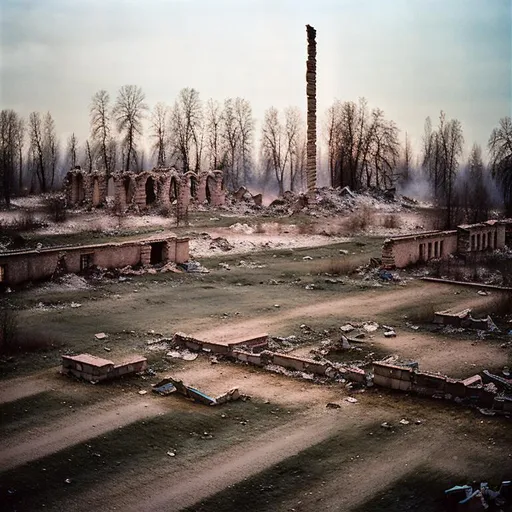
column 169, row 385
column 481, row 498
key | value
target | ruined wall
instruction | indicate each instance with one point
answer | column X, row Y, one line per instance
column 145, row 190
column 35, row 265
column 400, row 252
column 480, row 237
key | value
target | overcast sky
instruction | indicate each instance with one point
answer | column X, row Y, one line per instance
column 411, row 58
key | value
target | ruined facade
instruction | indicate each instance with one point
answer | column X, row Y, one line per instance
column 466, row 240
column 21, row 266
column 145, row 190
column 311, row 113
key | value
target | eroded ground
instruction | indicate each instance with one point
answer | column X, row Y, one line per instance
column 72, row 446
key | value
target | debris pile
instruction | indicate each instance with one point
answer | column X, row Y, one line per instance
column 464, row 497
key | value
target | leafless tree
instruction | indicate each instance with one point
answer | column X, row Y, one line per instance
column 159, row 123
column 213, row 123
column 72, row 151
column 363, row 146
column 9, row 152
column 500, row 151
column 88, row 156
column 231, row 142
column 475, row 195
column 20, row 135
column 186, row 125
column 274, row 147
column 101, row 131
column 37, row 150
column 406, row 163
column 128, row 112
column 294, row 144
column 50, row 146
column 245, row 128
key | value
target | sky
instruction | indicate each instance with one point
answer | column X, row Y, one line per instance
column 411, row 58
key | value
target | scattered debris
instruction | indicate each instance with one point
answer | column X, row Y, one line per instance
column 370, row 326
column 390, row 334
column 404, row 422
column 142, row 392
column 332, row 405
column 101, row 336
column 185, row 354
column 351, row 400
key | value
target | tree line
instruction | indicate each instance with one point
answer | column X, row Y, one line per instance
column 364, row 147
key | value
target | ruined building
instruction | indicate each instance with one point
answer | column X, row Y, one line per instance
column 145, row 190
column 33, row 265
column 311, row 114
column 466, row 240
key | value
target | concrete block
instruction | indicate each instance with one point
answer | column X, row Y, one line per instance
column 380, row 380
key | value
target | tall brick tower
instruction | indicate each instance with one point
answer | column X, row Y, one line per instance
column 311, row 115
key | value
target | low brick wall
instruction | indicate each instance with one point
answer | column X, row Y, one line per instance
column 96, row 369
column 392, row 377
column 255, row 343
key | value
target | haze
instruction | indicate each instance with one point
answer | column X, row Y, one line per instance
column 410, row 58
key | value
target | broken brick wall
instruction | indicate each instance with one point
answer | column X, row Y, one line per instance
column 400, row 252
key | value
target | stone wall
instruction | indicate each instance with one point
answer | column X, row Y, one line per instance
column 158, row 188
column 22, row 266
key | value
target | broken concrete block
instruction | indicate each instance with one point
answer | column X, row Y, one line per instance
column 101, row 336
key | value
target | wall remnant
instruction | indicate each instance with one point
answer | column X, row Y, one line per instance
column 96, row 369
column 465, row 241
column 161, row 187
column 37, row 264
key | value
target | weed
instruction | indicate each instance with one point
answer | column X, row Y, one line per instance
column 391, row 222
column 56, row 207
column 360, row 220
column 339, row 267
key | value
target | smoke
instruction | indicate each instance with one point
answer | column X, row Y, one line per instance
column 417, row 187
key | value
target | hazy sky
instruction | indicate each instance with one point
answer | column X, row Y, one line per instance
column 409, row 57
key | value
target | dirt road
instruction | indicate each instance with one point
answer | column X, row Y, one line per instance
column 73, row 429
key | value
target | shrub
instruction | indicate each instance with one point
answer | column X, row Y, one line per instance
column 339, row 267
column 422, row 314
column 391, row 222
column 26, row 221
column 56, row 207
column 360, row 220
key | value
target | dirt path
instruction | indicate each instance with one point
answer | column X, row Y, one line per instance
column 361, row 305
column 162, row 491
column 365, row 477
column 14, row 389
column 456, row 357
column 73, row 429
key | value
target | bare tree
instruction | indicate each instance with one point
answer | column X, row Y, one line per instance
column 100, row 123
column 88, row 155
column 292, row 127
column 274, row 147
column 50, row 144
column 159, row 123
column 37, row 150
column 72, row 151
column 213, row 122
column 9, row 152
column 406, row 163
column 186, row 124
column 500, row 151
column 129, row 111
column 21, row 140
column 245, row 128
column 231, row 142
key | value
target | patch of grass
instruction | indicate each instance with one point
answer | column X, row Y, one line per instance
column 421, row 313
column 339, row 266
